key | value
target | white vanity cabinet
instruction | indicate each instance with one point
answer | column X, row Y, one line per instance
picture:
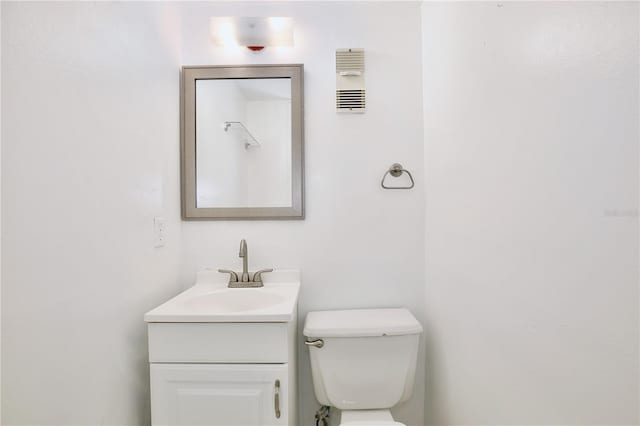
column 222, row 374
column 223, row 370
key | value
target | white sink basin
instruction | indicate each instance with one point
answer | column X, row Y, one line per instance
column 210, row 300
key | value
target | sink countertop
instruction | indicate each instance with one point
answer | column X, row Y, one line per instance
column 210, row 300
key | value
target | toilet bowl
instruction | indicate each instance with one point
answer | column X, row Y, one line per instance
column 363, row 361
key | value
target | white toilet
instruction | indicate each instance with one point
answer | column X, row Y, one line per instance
column 363, row 361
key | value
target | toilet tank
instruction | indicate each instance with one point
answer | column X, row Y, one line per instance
column 368, row 357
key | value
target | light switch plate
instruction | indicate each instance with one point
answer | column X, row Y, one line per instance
column 159, row 231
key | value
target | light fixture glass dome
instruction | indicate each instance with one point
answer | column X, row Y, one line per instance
column 251, row 31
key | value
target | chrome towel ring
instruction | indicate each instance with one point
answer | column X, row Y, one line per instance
column 396, row 170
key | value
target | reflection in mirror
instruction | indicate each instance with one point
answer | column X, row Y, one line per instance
column 243, row 142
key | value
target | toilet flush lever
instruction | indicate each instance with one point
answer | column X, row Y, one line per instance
column 318, row 343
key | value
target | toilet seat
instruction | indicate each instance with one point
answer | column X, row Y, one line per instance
column 368, row 418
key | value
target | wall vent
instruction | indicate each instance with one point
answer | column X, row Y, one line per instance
column 350, row 90
column 350, row 60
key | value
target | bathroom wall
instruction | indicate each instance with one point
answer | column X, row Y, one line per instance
column 90, row 156
column 531, row 157
column 359, row 246
column 0, row 221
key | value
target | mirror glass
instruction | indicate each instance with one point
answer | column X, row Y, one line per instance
column 243, row 142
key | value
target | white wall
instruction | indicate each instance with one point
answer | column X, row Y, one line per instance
column 89, row 155
column 531, row 157
column 0, row 222
column 359, row 246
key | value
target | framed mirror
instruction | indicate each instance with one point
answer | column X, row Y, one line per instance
column 242, row 142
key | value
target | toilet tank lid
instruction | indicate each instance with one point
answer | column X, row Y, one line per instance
column 361, row 323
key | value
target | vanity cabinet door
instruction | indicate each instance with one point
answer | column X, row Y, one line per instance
column 219, row 394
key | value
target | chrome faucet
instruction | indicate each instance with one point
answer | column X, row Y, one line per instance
column 243, row 279
column 245, row 261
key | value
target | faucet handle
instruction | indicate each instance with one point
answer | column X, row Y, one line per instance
column 233, row 277
column 257, row 277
